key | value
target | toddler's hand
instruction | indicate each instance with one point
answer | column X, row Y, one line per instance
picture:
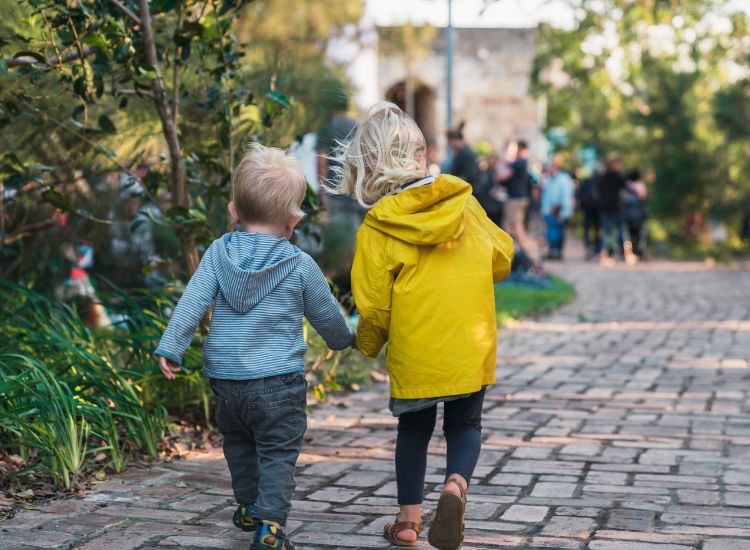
column 168, row 367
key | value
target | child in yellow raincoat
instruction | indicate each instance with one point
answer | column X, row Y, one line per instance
column 426, row 259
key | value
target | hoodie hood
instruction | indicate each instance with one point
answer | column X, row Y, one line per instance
column 427, row 215
column 248, row 266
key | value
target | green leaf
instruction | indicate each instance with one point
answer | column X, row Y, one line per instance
column 278, row 97
column 197, row 215
column 106, row 125
column 177, row 214
column 36, row 55
column 57, row 200
column 3, row 66
column 82, row 126
column 109, row 153
column 162, row 6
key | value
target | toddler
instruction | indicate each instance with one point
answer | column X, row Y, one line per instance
column 260, row 287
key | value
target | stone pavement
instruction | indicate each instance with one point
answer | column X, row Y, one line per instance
column 620, row 422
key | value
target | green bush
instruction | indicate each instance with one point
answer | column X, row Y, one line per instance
column 67, row 391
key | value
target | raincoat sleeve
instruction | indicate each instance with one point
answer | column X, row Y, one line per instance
column 323, row 311
column 502, row 249
column 198, row 297
column 372, row 284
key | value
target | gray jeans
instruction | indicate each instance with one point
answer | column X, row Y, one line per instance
column 262, row 422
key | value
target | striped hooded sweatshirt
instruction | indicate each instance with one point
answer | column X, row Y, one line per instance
column 260, row 286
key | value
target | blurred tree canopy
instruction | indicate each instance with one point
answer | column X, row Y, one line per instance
column 116, row 115
column 664, row 82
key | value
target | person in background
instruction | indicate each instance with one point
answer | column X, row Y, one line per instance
column 517, row 185
column 336, row 131
column 464, row 162
column 610, row 185
column 557, row 205
column 588, row 201
column 304, row 149
column 341, row 215
column 633, row 204
column 485, row 189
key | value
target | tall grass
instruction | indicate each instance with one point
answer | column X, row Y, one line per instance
column 67, row 390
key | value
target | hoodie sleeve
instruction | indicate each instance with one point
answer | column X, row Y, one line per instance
column 373, row 277
column 198, row 297
column 323, row 311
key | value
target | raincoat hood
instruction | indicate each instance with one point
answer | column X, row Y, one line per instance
column 425, row 215
column 247, row 273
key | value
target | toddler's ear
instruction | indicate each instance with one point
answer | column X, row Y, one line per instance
column 233, row 212
column 292, row 223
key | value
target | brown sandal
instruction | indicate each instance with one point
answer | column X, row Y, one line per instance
column 391, row 531
column 447, row 529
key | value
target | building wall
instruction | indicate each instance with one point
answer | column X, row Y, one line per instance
column 491, row 79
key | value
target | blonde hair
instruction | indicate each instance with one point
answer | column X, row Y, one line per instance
column 268, row 186
column 387, row 151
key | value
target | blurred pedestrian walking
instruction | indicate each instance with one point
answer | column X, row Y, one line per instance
column 588, row 201
column 341, row 215
column 610, row 185
column 633, row 215
column 463, row 162
column 517, row 185
column 486, row 189
column 557, row 205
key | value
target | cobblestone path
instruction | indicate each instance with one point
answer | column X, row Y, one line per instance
column 618, row 423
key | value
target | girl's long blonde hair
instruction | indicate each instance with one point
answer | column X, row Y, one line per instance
column 387, row 151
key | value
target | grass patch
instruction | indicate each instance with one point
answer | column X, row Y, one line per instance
column 515, row 301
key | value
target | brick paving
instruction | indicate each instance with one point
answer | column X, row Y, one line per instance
column 620, row 422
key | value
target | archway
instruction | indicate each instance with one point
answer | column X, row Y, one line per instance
column 420, row 106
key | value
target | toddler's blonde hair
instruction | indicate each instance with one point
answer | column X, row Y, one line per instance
column 387, row 151
column 268, row 186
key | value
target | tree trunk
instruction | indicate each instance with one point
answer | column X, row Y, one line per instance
column 180, row 194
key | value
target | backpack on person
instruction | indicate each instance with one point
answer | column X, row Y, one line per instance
column 633, row 208
column 588, row 194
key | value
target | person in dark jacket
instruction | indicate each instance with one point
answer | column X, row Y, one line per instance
column 633, row 205
column 610, row 185
column 464, row 162
column 485, row 190
column 517, row 184
column 588, row 201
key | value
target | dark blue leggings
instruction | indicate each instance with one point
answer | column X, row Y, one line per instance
column 462, row 426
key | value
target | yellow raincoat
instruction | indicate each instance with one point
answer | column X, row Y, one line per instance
column 424, row 267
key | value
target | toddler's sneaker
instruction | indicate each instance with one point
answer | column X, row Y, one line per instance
column 243, row 518
column 270, row 536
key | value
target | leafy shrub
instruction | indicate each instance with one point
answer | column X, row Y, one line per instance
column 64, row 386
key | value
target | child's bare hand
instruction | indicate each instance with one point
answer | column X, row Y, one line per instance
column 168, row 367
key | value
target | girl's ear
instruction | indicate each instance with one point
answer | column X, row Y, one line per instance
column 233, row 212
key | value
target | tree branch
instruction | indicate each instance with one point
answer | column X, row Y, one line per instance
column 54, row 60
column 26, row 230
column 131, row 91
column 181, row 196
column 124, row 9
column 176, row 72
